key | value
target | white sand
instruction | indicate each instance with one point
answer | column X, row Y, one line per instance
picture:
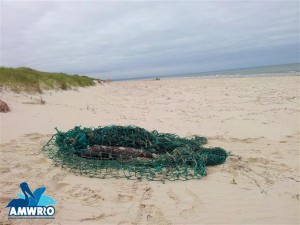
column 256, row 118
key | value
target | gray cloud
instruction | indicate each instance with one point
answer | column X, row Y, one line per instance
column 131, row 39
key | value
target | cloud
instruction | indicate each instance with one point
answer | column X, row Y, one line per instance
column 132, row 39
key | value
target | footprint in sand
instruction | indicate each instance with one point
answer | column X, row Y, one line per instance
column 173, row 196
column 4, row 170
column 196, row 204
column 150, row 214
column 127, row 192
column 86, row 195
column 193, row 199
column 147, row 194
column 93, row 218
column 125, row 223
column 124, row 198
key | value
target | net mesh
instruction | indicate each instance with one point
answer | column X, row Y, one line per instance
column 132, row 152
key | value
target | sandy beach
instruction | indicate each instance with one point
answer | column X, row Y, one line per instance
column 256, row 118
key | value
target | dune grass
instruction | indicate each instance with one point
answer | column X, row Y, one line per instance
column 29, row 80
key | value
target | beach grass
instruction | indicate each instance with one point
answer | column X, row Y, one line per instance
column 30, row 80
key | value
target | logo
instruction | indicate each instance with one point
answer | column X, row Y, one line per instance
column 30, row 205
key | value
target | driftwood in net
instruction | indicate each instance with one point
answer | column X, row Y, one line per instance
column 115, row 152
column 125, row 152
column 4, row 107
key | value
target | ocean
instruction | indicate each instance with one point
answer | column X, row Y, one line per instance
column 273, row 70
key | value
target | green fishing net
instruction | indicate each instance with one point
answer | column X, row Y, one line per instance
column 132, row 152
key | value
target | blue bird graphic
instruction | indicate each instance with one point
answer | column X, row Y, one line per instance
column 22, row 202
column 40, row 199
column 37, row 194
column 46, row 200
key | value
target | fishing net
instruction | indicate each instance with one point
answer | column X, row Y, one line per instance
column 132, row 152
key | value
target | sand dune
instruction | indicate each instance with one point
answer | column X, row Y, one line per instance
column 257, row 119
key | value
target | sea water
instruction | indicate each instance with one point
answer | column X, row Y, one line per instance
column 273, row 70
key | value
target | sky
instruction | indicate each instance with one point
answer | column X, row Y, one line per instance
column 126, row 39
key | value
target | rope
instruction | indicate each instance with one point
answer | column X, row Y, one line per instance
column 132, row 152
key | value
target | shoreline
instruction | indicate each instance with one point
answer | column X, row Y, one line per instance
column 289, row 74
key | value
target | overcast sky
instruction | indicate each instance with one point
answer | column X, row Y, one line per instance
column 136, row 39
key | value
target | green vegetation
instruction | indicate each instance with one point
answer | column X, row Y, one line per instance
column 29, row 80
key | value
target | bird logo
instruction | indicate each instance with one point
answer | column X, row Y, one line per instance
column 29, row 199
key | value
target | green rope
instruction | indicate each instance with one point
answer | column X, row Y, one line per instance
column 174, row 157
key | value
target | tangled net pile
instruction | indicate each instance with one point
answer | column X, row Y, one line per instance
column 133, row 153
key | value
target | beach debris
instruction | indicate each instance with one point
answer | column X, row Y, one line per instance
column 233, row 181
column 4, row 107
column 132, row 152
column 42, row 101
column 100, row 81
column 39, row 101
column 115, row 152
